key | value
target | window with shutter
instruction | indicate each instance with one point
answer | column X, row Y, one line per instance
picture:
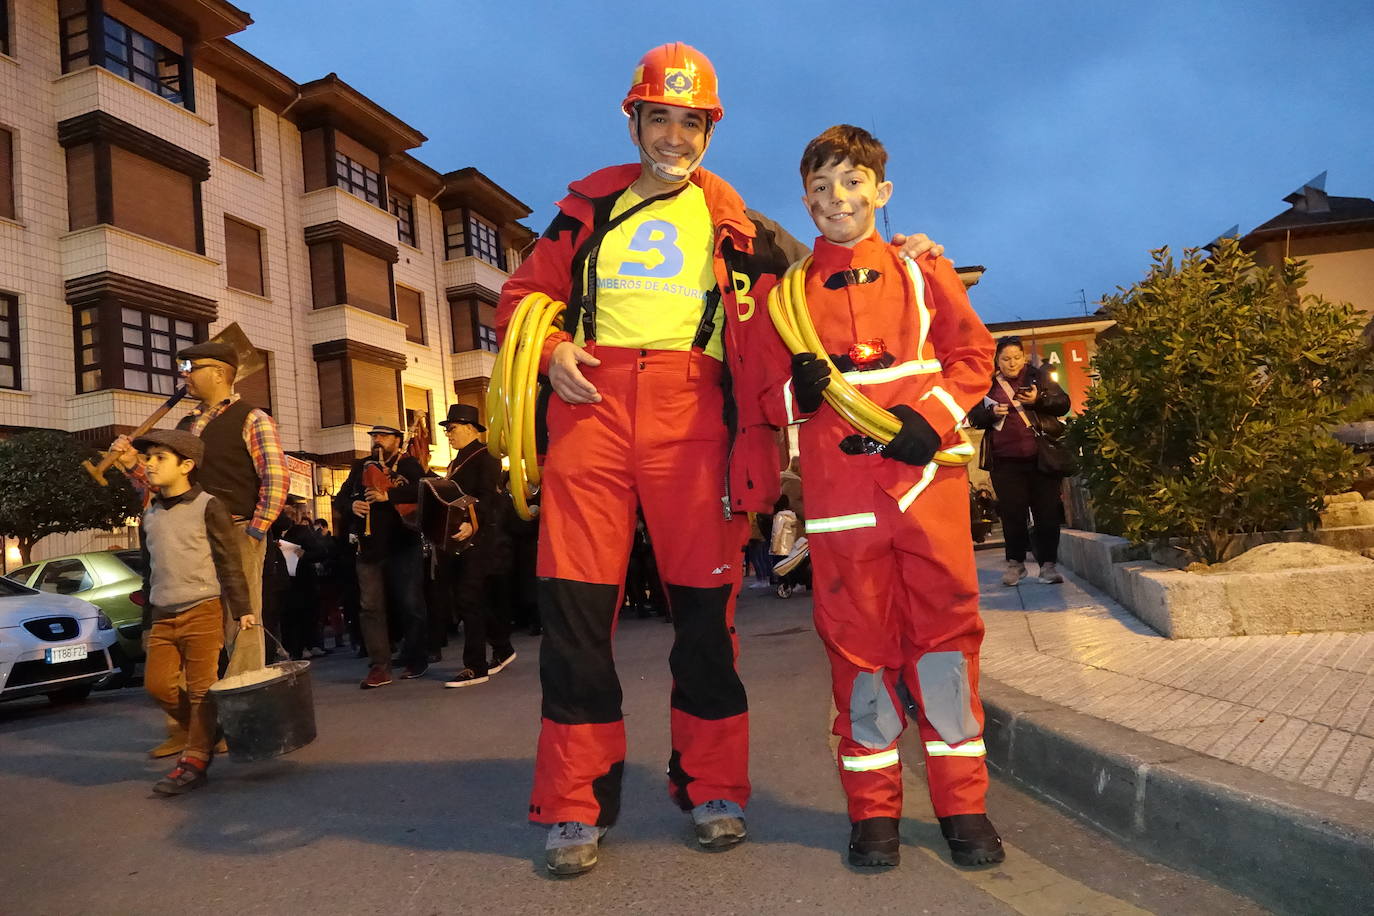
column 367, row 278
column 153, row 200
column 410, row 311
column 333, row 395
column 237, row 140
column 6, row 173
column 375, row 394
column 243, row 256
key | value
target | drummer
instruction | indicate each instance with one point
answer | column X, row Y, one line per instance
column 192, row 573
column 478, row 474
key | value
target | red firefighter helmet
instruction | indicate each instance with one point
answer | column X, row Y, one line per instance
column 675, row 74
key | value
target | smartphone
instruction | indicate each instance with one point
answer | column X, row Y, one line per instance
column 1025, row 389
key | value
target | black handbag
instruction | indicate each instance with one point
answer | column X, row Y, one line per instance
column 1052, row 454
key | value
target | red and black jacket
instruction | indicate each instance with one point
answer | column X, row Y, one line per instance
column 751, row 253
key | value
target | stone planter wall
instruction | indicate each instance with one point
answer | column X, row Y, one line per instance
column 1186, row 605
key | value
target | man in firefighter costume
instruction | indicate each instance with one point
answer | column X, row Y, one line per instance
column 654, row 403
column 896, row 593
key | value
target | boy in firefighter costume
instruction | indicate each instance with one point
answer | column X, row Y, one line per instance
column 896, row 597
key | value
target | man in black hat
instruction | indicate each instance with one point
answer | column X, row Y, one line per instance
column 390, row 566
column 478, row 473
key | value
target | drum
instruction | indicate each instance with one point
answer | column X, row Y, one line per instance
column 444, row 507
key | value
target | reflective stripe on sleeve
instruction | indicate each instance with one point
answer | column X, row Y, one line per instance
column 918, row 284
column 878, row 761
column 973, row 748
column 841, row 523
column 892, row 373
column 945, row 398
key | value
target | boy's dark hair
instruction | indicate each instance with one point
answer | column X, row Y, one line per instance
column 844, row 141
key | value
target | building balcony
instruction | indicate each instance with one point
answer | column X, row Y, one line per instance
column 102, row 415
column 472, row 364
column 467, row 272
column 335, row 205
column 336, row 442
column 109, row 249
column 345, row 322
column 97, row 89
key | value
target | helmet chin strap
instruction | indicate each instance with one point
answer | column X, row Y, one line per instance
column 671, row 174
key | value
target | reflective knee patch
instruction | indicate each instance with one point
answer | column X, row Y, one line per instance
column 873, row 719
column 946, row 696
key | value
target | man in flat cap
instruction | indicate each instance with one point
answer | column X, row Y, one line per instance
column 390, row 565
column 478, row 473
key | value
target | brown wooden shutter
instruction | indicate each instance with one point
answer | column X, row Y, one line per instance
column 236, row 138
column 374, row 394
column 153, row 200
column 333, row 396
column 367, row 279
column 322, row 275
column 410, row 310
column 6, row 174
column 312, row 159
column 356, row 151
column 257, row 388
column 243, row 255
column 81, row 193
column 460, row 317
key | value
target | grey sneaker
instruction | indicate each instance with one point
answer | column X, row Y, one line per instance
column 1016, row 571
column 719, row 823
column 571, row 848
column 1049, row 575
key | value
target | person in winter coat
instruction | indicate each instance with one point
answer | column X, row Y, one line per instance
column 1023, row 404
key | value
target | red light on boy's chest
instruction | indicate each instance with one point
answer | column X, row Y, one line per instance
column 868, row 351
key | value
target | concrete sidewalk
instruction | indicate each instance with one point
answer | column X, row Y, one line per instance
column 1245, row 757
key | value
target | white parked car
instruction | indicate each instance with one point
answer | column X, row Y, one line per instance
column 51, row 644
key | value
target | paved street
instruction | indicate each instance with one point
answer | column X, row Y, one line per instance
column 412, row 801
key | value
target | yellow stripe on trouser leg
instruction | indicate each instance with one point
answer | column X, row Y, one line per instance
column 878, row 761
column 974, row 748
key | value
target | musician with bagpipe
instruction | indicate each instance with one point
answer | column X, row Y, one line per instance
column 466, row 551
column 378, row 501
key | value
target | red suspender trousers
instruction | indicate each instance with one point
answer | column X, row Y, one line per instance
column 656, row 439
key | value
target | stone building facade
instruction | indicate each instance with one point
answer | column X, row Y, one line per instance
column 158, row 182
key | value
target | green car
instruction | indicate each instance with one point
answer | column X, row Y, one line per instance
column 105, row 578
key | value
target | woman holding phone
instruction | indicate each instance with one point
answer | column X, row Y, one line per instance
column 1023, row 406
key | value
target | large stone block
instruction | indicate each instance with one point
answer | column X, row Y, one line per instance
column 1185, row 605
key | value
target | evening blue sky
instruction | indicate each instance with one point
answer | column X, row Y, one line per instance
column 1055, row 143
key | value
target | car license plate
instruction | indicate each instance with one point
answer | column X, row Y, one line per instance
column 58, row 654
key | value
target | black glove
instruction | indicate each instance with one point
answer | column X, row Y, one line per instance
column 810, row 377
column 917, row 441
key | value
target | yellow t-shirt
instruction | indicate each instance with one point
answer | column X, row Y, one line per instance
column 652, row 275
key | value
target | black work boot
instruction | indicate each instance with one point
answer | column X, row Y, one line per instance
column 875, row 843
column 972, row 839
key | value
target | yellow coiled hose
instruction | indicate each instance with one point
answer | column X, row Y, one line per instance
column 787, row 307
column 512, row 395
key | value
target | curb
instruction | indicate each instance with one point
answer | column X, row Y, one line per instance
column 1291, row 847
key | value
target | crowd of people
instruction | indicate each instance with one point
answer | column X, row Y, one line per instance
column 661, row 483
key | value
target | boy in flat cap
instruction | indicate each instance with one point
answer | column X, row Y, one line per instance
column 192, row 576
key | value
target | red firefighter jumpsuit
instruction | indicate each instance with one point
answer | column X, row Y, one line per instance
column 668, row 436
column 896, row 598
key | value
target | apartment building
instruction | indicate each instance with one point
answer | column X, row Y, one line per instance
column 158, row 182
